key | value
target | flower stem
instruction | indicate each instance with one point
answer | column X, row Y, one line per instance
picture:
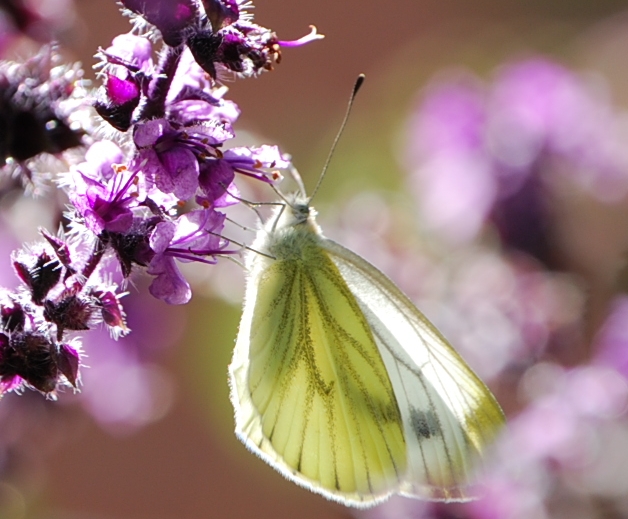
column 158, row 88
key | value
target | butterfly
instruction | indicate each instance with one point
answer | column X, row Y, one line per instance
column 341, row 384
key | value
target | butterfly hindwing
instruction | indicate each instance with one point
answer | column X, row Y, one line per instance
column 449, row 415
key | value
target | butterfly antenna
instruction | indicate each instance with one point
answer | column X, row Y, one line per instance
column 241, row 245
column 253, row 205
column 354, row 92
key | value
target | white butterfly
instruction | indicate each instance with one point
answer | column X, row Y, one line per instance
column 341, row 384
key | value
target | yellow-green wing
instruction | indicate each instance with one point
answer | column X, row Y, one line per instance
column 311, row 391
column 449, row 415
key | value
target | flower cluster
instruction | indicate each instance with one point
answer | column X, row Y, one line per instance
column 149, row 196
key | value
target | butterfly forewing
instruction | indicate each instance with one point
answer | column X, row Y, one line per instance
column 449, row 415
column 321, row 400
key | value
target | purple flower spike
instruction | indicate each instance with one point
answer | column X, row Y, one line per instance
column 144, row 200
column 171, row 17
column 492, row 153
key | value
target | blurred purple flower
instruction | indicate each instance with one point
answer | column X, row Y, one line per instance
column 501, row 154
column 35, row 110
column 446, row 152
column 124, row 388
column 611, row 342
column 493, row 152
column 43, row 21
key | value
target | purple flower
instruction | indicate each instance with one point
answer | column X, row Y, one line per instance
column 193, row 237
column 169, row 285
column 242, row 47
column 169, row 156
column 135, row 202
column 104, row 194
column 217, row 116
column 216, row 175
column 101, row 159
column 132, row 52
column 127, row 67
column 166, row 158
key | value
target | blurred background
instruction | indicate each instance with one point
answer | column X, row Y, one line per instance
column 485, row 168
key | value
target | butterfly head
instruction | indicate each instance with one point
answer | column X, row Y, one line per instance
column 295, row 212
column 294, row 215
column 291, row 227
column 299, row 209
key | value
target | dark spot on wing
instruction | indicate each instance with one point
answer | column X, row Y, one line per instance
column 424, row 423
